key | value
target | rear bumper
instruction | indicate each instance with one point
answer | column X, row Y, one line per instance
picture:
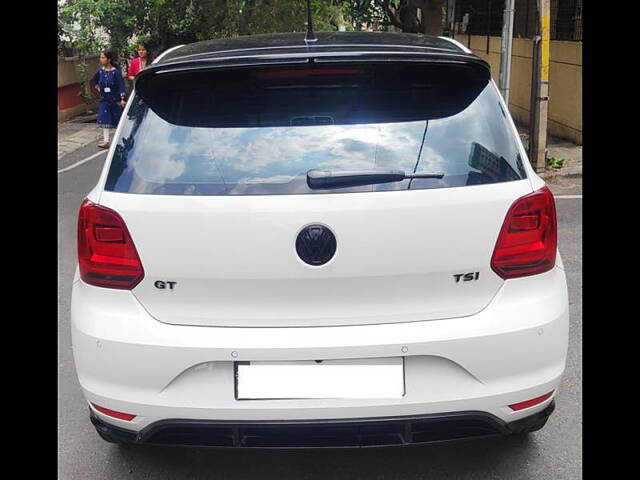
column 378, row 432
column 513, row 350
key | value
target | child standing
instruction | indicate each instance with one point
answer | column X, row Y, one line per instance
column 109, row 82
column 142, row 61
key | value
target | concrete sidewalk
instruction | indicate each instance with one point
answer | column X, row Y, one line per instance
column 76, row 133
column 559, row 148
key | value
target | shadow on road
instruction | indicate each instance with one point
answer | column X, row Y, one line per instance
column 499, row 457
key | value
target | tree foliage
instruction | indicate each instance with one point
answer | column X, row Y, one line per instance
column 414, row 16
column 168, row 22
column 87, row 26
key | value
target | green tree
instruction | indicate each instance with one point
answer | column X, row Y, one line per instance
column 414, row 16
column 168, row 22
column 87, row 26
column 78, row 30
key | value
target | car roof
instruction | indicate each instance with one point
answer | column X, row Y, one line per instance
column 284, row 44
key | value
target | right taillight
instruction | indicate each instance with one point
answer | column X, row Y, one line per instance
column 107, row 256
column 529, row 237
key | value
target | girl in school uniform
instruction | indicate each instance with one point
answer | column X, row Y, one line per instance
column 109, row 82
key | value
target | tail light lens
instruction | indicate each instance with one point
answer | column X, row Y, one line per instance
column 107, row 256
column 529, row 237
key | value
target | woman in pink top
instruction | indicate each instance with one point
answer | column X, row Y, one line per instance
column 140, row 62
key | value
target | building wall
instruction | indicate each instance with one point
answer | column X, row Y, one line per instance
column 70, row 103
column 565, row 81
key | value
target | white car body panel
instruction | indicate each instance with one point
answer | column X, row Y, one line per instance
column 513, row 350
column 241, row 267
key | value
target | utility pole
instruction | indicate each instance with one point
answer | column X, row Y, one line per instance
column 540, row 90
column 505, row 49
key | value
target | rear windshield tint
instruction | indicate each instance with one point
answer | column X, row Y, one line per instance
column 258, row 131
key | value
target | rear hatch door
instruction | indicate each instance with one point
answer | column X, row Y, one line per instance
column 209, row 174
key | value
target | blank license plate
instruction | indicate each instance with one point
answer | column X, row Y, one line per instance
column 368, row 378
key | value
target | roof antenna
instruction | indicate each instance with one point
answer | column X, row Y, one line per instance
column 310, row 37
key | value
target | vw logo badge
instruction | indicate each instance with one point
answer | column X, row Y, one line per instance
column 316, row 245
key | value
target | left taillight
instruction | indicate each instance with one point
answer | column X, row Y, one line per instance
column 107, row 256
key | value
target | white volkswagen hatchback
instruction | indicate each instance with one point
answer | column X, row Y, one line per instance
column 337, row 243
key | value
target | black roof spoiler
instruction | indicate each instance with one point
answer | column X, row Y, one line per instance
column 293, row 56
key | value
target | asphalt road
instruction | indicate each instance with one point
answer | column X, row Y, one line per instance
column 555, row 452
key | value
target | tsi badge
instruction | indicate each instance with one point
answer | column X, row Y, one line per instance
column 467, row 277
column 163, row 285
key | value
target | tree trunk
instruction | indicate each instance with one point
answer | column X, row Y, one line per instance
column 244, row 28
column 432, row 17
column 405, row 16
column 408, row 14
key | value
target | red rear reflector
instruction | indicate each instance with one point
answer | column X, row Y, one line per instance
column 112, row 413
column 531, row 403
column 107, row 256
column 528, row 239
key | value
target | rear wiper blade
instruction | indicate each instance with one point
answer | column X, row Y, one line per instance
column 318, row 179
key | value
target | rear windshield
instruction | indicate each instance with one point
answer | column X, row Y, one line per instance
column 259, row 131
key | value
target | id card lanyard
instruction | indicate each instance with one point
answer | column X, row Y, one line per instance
column 107, row 87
